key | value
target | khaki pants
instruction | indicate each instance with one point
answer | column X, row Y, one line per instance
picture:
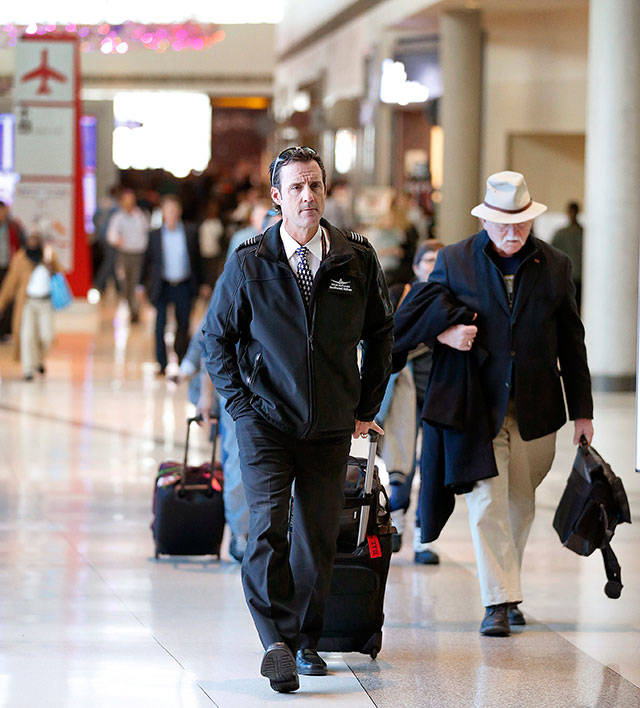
column 501, row 510
column 36, row 333
column 129, row 270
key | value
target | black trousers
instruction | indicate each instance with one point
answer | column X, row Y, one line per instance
column 180, row 296
column 286, row 585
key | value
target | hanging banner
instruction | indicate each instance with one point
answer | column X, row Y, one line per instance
column 48, row 196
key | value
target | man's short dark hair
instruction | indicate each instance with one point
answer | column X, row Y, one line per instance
column 294, row 154
column 170, row 197
column 573, row 207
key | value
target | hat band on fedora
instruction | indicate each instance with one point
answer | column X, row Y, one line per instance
column 509, row 211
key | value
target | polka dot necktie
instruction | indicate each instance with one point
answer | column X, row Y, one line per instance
column 305, row 278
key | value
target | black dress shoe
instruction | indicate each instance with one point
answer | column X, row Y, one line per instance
column 310, row 663
column 516, row 618
column 426, row 557
column 396, row 542
column 496, row 621
column 279, row 666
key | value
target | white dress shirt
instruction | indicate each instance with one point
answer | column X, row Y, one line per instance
column 314, row 254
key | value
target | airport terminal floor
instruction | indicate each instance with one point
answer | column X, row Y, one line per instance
column 88, row 617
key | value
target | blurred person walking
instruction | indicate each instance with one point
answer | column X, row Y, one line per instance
column 257, row 216
column 281, row 344
column 500, row 311
column 338, row 207
column 569, row 241
column 212, row 241
column 401, row 417
column 128, row 233
column 11, row 238
column 28, row 286
column 106, row 262
column 172, row 270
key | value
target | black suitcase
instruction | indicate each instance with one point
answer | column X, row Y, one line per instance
column 354, row 611
column 187, row 506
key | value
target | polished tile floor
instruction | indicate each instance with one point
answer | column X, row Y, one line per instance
column 89, row 618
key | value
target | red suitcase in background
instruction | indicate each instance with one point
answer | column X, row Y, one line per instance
column 187, row 505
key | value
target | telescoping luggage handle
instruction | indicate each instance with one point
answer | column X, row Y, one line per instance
column 368, row 484
column 183, row 476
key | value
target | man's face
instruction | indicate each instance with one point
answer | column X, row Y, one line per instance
column 33, row 241
column 4, row 212
column 424, row 268
column 128, row 200
column 171, row 213
column 301, row 196
column 508, row 239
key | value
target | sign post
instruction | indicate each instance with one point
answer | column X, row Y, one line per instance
column 48, row 196
column 638, row 385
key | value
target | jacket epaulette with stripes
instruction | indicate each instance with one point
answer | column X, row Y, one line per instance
column 249, row 242
column 357, row 238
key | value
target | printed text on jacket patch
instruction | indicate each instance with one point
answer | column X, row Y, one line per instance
column 341, row 285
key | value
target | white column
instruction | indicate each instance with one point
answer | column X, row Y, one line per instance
column 612, row 194
column 384, row 119
column 461, row 57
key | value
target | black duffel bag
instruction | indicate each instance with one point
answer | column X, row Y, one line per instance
column 594, row 502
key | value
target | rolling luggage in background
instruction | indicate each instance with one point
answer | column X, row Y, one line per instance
column 187, row 505
column 354, row 615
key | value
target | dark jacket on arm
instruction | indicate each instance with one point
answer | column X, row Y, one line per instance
column 457, row 440
column 298, row 368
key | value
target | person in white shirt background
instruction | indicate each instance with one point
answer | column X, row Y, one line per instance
column 128, row 233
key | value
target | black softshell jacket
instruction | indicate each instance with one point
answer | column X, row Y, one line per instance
column 298, row 366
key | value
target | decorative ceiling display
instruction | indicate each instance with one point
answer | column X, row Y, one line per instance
column 119, row 39
column 118, row 26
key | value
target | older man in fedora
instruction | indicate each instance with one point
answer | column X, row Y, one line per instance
column 514, row 298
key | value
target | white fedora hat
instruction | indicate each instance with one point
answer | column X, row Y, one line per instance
column 507, row 200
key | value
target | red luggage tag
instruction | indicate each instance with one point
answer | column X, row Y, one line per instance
column 215, row 485
column 375, row 551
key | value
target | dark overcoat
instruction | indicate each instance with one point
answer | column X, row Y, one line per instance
column 537, row 347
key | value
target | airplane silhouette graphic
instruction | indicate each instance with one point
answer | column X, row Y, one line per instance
column 45, row 73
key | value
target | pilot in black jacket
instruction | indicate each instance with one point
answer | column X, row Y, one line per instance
column 281, row 343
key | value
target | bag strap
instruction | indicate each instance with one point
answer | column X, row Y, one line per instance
column 614, row 586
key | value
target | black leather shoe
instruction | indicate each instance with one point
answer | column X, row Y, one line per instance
column 279, row 666
column 496, row 621
column 516, row 618
column 426, row 557
column 396, row 542
column 310, row 663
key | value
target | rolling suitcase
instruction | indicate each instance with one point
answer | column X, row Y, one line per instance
column 187, row 505
column 354, row 611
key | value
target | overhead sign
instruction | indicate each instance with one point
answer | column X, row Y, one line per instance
column 48, row 196
column 45, row 70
